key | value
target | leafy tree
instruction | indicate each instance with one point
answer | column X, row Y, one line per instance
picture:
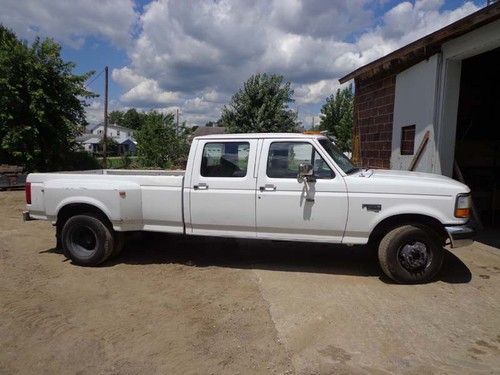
column 337, row 117
column 131, row 118
column 159, row 143
column 111, row 146
column 41, row 103
column 116, row 117
column 260, row 106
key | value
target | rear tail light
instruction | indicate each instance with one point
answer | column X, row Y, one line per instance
column 27, row 191
column 463, row 206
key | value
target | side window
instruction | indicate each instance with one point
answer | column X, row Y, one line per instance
column 284, row 159
column 225, row 159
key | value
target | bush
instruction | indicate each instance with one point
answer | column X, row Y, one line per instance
column 80, row 161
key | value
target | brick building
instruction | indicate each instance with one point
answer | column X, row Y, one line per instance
column 434, row 106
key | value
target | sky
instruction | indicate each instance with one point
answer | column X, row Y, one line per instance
column 194, row 55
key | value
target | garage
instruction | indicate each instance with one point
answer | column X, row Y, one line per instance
column 433, row 106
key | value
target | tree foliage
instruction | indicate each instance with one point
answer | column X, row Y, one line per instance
column 41, row 103
column 260, row 106
column 337, row 117
column 112, row 147
column 131, row 118
column 159, row 143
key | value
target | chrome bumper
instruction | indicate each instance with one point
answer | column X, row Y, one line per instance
column 26, row 216
column 460, row 235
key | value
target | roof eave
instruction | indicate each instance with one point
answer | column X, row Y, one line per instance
column 431, row 43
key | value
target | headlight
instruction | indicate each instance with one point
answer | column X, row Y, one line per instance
column 463, row 206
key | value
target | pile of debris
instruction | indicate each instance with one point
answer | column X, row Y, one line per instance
column 11, row 177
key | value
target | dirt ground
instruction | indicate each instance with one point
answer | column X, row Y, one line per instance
column 173, row 305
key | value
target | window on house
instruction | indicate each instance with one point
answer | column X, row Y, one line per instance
column 408, row 140
column 285, row 157
column 225, row 159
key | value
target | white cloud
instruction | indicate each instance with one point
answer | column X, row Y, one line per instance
column 200, row 52
column 196, row 54
column 71, row 21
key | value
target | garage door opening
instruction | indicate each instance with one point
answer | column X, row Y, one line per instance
column 477, row 150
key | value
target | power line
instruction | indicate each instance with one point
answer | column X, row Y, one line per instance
column 93, row 79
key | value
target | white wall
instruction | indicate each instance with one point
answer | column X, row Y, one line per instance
column 414, row 102
column 427, row 95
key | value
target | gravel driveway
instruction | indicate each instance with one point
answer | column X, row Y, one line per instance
column 200, row 305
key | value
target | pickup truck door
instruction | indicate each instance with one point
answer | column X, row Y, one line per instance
column 292, row 210
column 222, row 190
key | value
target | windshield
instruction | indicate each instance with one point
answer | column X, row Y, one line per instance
column 338, row 156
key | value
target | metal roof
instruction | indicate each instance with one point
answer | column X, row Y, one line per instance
column 427, row 46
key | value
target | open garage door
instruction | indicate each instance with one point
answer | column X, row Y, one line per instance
column 477, row 150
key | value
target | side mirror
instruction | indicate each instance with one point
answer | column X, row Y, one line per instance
column 306, row 172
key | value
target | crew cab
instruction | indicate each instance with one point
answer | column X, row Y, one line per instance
column 292, row 187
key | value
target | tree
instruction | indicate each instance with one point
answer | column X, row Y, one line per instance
column 260, row 106
column 41, row 103
column 159, row 144
column 116, row 117
column 131, row 119
column 112, row 147
column 337, row 117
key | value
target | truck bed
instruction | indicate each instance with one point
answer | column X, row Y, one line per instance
column 148, row 200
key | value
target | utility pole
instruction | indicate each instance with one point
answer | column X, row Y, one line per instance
column 312, row 123
column 105, row 137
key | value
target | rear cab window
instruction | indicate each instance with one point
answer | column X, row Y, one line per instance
column 225, row 159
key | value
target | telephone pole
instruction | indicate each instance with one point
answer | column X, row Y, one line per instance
column 105, row 137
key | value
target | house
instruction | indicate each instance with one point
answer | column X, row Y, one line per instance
column 121, row 135
column 434, row 106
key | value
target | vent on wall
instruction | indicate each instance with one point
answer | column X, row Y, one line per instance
column 408, row 140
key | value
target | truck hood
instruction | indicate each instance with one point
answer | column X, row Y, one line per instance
column 404, row 182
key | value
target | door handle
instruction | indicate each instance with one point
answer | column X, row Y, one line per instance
column 268, row 187
column 200, row 186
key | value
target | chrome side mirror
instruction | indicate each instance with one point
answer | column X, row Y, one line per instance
column 306, row 173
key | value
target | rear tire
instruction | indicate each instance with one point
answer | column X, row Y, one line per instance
column 86, row 240
column 410, row 254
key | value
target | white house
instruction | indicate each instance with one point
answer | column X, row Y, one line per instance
column 121, row 135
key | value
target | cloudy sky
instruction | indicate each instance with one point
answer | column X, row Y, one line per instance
column 193, row 55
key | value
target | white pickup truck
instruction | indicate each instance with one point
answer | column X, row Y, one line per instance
column 292, row 187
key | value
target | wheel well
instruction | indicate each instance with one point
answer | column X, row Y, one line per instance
column 398, row 220
column 73, row 209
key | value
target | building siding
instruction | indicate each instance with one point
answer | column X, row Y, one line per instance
column 373, row 118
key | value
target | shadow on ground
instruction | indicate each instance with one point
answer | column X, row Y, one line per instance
column 490, row 237
column 155, row 248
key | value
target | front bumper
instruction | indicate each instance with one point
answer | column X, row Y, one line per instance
column 460, row 235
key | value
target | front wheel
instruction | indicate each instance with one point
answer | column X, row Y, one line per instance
column 410, row 254
column 86, row 240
